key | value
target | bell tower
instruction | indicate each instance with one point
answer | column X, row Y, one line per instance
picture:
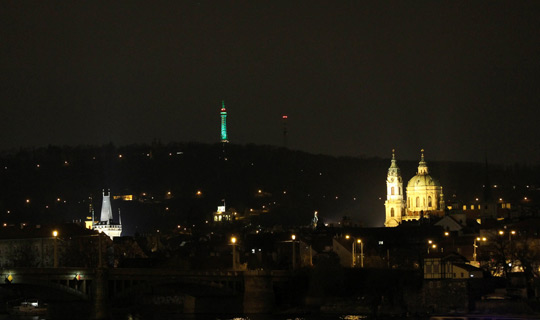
column 394, row 204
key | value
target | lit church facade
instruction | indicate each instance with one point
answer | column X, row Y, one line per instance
column 424, row 195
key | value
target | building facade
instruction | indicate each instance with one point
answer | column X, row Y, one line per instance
column 424, row 195
column 106, row 223
column 394, row 204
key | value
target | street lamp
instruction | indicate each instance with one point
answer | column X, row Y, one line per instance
column 448, row 235
column 355, row 241
column 431, row 245
column 233, row 242
column 476, row 246
column 55, row 236
column 361, row 252
column 293, row 237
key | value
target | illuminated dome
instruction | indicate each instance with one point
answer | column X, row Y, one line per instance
column 423, row 180
column 422, row 177
column 424, row 194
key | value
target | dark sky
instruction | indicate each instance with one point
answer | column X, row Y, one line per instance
column 458, row 78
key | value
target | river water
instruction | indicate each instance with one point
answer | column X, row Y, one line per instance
column 158, row 314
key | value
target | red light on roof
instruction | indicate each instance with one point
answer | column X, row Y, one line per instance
column 284, row 117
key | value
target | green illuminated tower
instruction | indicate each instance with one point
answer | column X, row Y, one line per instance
column 224, row 137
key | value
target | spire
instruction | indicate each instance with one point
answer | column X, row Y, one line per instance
column 394, row 169
column 422, row 166
column 106, row 211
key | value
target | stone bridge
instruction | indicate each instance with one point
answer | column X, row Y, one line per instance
column 244, row 291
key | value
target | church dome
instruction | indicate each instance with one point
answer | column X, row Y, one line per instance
column 423, row 180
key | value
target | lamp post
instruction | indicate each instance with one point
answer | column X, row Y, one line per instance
column 293, row 237
column 352, row 250
column 353, row 253
column 55, row 236
column 233, row 242
column 510, row 234
column 355, row 241
column 430, row 244
column 361, row 252
column 476, row 246
column 448, row 235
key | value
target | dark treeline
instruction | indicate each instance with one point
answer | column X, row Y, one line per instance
column 52, row 184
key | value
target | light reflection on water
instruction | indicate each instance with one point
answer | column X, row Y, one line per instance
column 14, row 317
column 161, row 316
column 353, row 317
column 250, row 317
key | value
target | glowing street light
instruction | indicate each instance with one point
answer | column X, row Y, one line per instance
column 354, row 243
column 447, row 235
column 431, row 245
column 233, row 242
column 293, row 237
column 55, row 236
column 361, row 252
column 476, row 246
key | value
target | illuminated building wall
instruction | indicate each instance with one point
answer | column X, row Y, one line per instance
column 106, row 224
column 424, row 195
column 394, row 204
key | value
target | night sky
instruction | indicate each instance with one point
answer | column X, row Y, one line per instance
column 458, row 78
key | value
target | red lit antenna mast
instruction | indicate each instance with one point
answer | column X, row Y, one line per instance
column 284, row 119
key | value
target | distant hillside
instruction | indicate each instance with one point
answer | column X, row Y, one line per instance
column 55, row 183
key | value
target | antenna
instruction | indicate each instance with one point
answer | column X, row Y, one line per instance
column 284, row 119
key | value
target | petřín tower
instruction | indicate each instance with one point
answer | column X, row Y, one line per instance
column 394, row 204
column 224, row 137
